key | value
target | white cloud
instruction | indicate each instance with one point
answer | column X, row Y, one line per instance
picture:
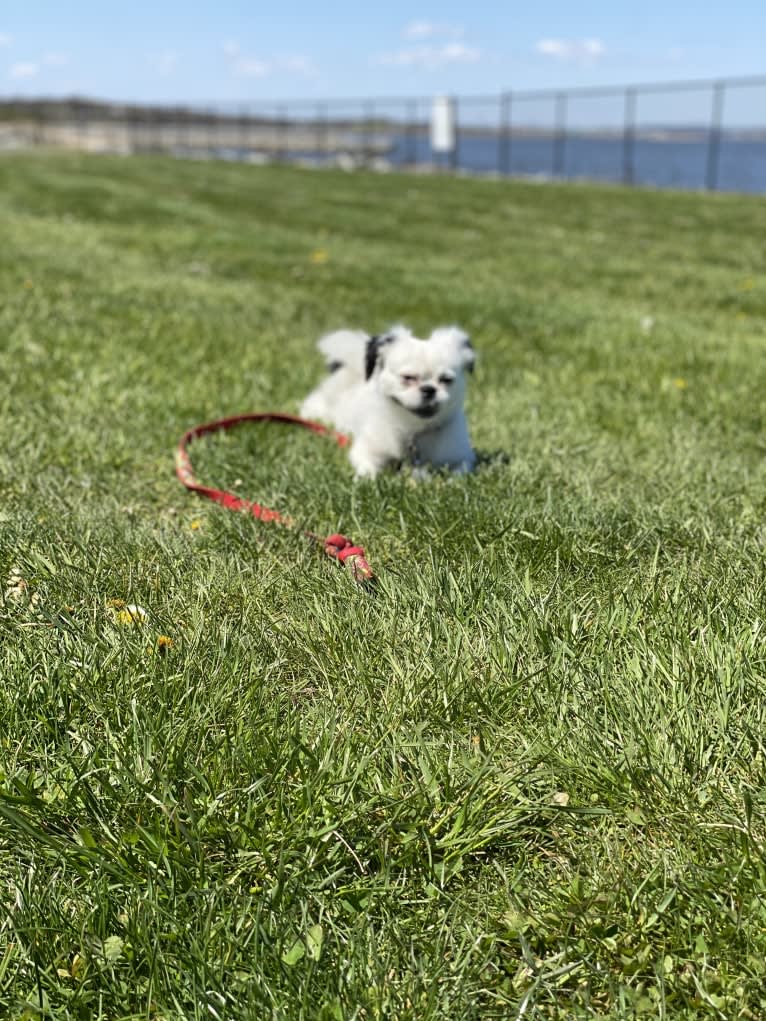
column 434, row 44
column 418, row 30
column 245, row 66
column 24, row 69
column 459, row 52
column 577, row 50
column 430, row 29
column 582, row 50
column 430, row 57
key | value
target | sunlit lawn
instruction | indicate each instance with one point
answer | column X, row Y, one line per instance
column 523, row 778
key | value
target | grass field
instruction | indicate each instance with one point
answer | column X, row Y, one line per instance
column 524, row 778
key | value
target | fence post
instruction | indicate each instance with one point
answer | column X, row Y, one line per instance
column 212, row 134
column 80, row 124
column 368, row 143
column 504, row 135
column 714, row 138
column 455, row 154
column 143, row 128
column 412, row 132
column 164, row 134
column 280, row 133
column 559, row 141
column 629, row 138
column 184, row 131
column 319, row 139
column 243, row 132
column 38, row 124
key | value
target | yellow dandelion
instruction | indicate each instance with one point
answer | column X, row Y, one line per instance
column 131, row 615
column 680, row 384
column 195, row 525
column 319, row 256
column 162, row 646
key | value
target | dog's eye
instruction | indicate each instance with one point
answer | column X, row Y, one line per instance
column 446, row 380
column 409, row 380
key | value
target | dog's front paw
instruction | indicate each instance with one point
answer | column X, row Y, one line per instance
column 365, row 470
column 365, row 462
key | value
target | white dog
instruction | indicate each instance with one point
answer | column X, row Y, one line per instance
column 401, row 398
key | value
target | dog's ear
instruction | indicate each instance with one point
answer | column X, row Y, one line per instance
column 467, row 353
column 372, row 354
column 457, row 340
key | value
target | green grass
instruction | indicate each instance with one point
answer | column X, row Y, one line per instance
column 524, row 778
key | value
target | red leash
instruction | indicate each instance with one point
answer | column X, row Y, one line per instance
column 336, row 546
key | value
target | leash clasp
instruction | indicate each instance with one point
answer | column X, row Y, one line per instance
column 341, row 548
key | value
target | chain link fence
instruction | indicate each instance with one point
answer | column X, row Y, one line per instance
column 700, row 134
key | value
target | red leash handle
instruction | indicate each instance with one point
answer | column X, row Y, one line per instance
column 336, row 546
column 343, row 550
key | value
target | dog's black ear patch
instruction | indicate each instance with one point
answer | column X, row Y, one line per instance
column 466, row 352
column 469, row 355
column 371, row 356
column 374, row 344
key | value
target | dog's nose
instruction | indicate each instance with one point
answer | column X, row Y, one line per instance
column 428, row 390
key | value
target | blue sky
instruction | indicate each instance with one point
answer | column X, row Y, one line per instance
column 235, row 51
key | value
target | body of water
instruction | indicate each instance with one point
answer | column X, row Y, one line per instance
column 740, row 164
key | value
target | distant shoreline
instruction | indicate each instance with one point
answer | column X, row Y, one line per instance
column 79, row 113
column 686, row 156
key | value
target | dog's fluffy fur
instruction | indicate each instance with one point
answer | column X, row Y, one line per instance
column 401, row 398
